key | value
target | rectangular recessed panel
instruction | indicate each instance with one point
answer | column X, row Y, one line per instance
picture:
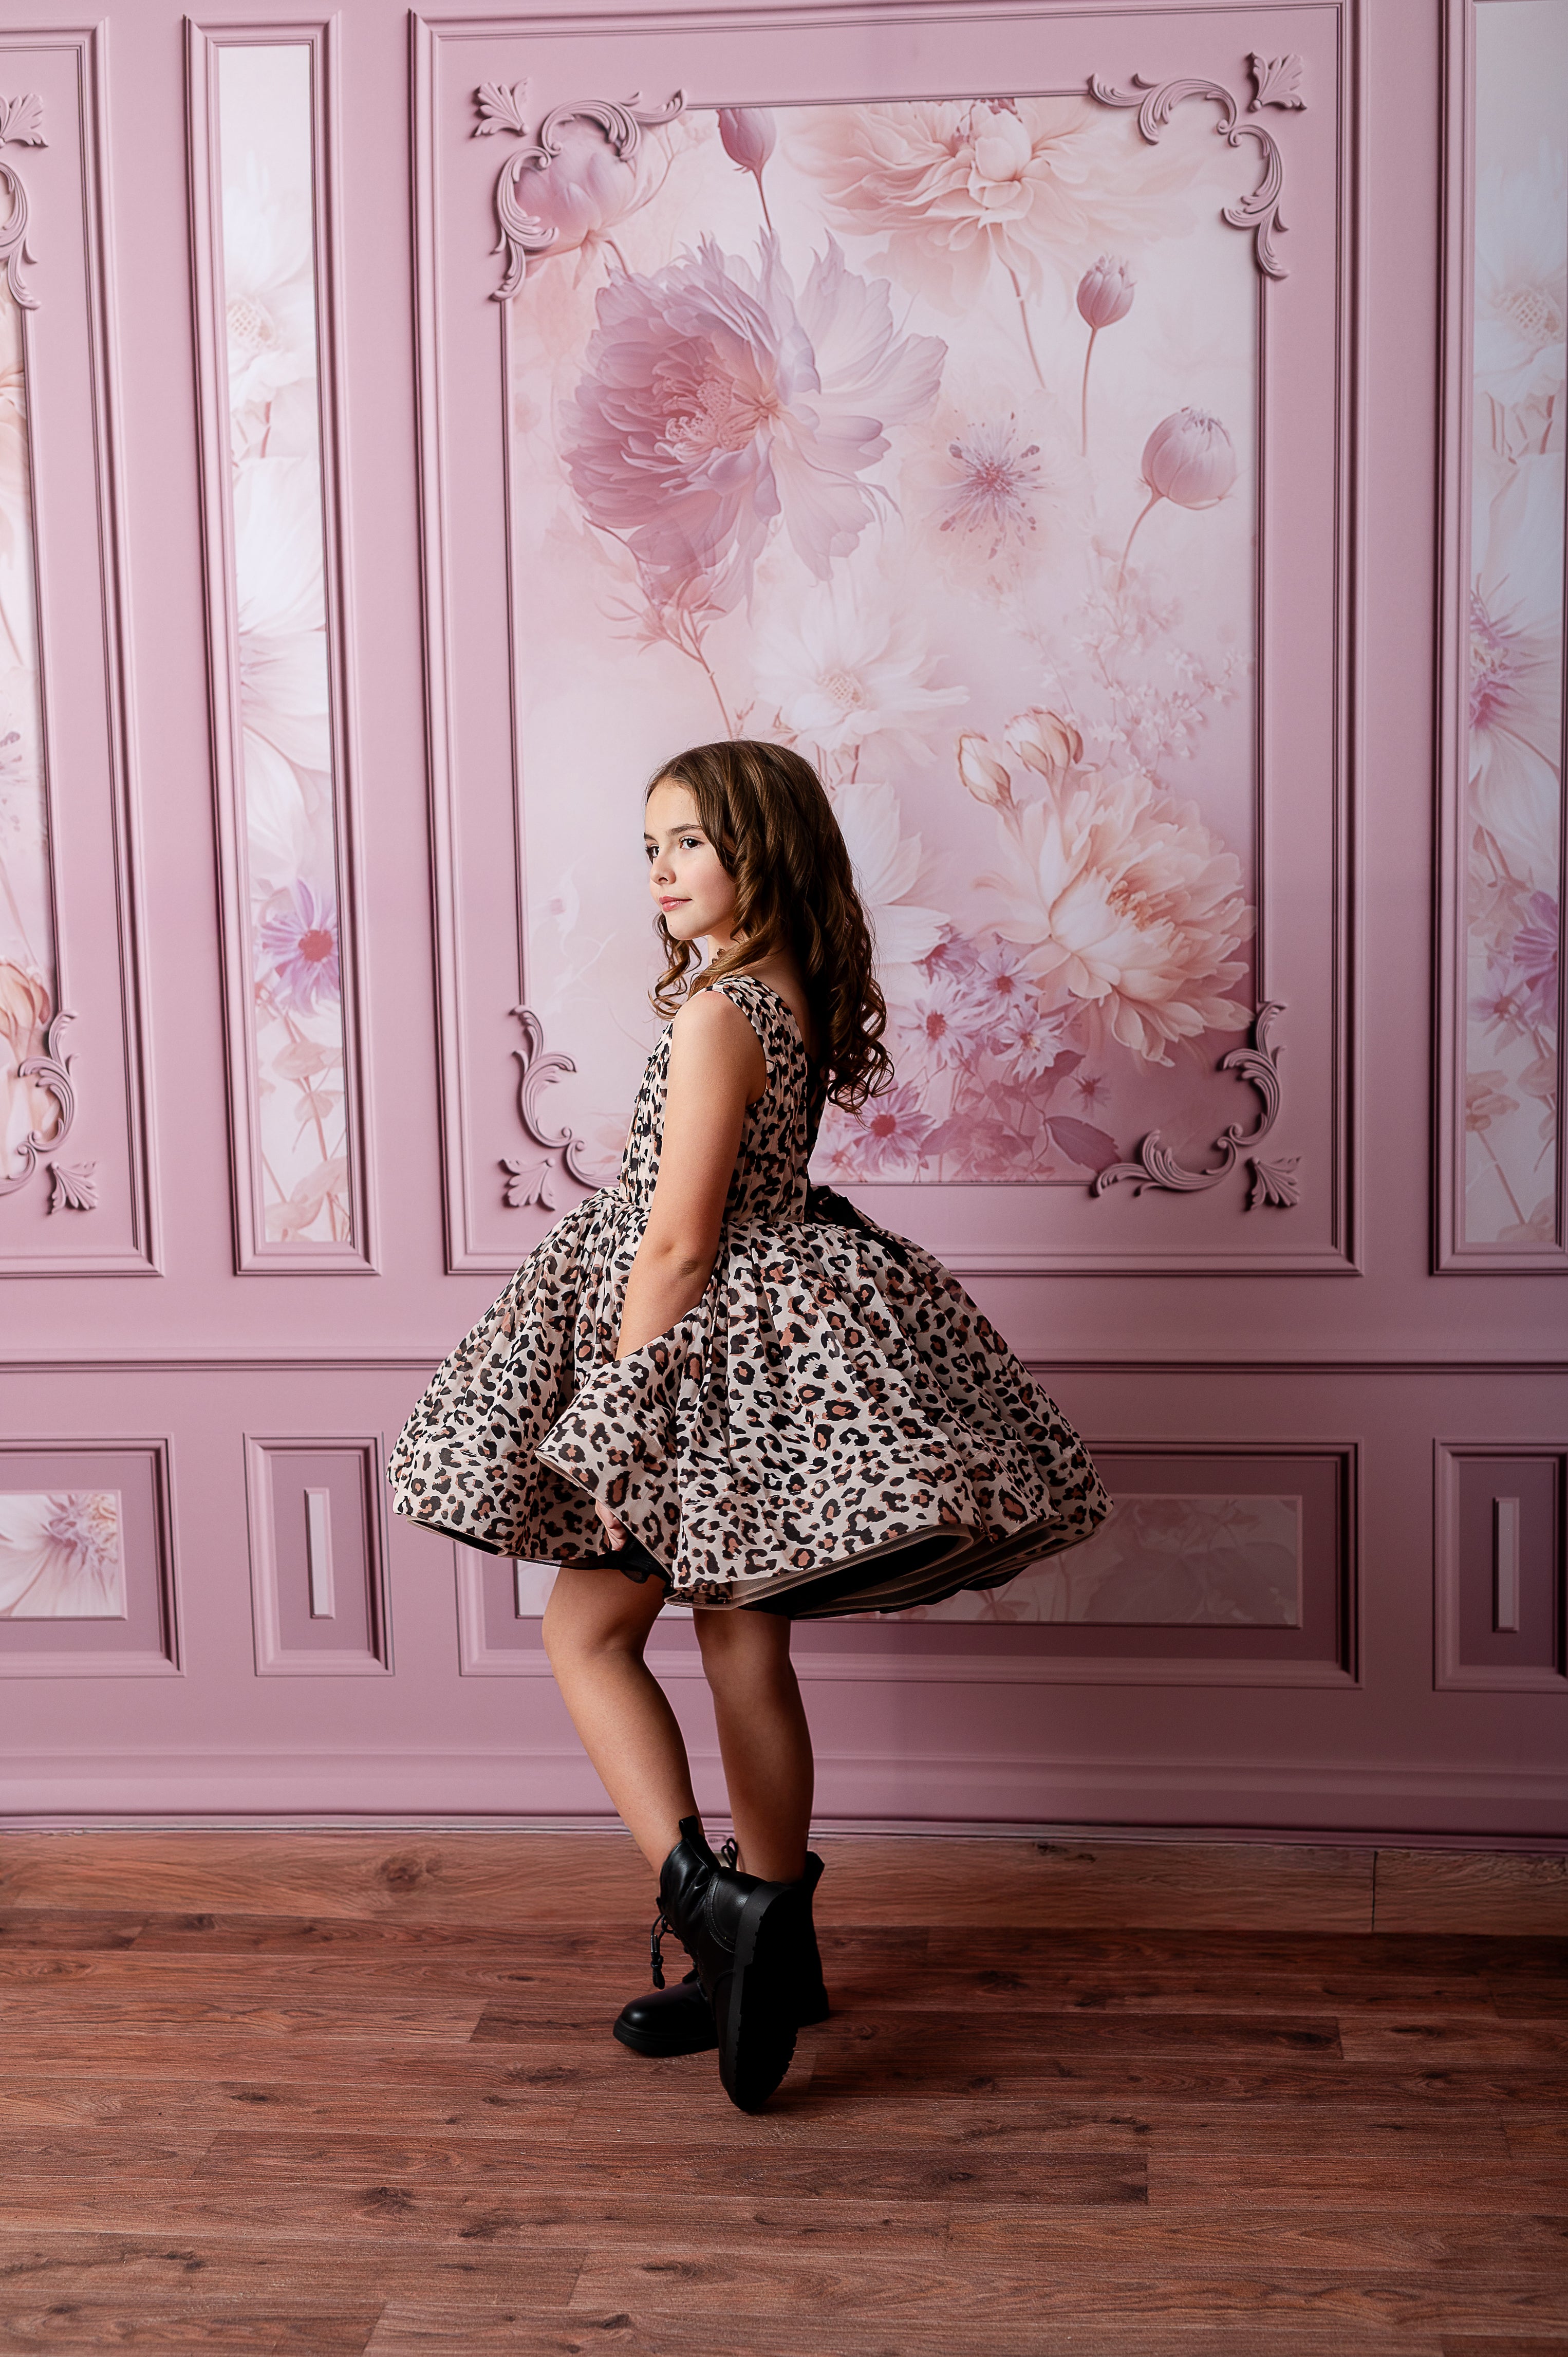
column 315, row 1564
column 1508, row 232
column 86, row 1577
column 1209, row 1555
column 1161, row 1561
column 1507, row 1562
column 268, row 320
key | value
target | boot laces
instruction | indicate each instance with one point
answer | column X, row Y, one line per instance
column 728, row 1856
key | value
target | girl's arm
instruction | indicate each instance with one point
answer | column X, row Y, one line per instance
column 717, row 1071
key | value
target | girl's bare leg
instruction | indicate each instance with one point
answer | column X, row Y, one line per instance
column 596, row 1625
column 764, row 1740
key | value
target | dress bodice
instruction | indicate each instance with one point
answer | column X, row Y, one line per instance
column 769, row 1181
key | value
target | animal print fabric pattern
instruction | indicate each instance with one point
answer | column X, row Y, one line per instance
column 834, row 1395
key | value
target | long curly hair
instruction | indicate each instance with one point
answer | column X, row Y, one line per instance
column 764, row 811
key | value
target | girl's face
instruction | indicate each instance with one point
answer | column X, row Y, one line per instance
column 694, row 894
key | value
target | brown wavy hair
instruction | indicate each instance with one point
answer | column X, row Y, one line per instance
column 764, row 811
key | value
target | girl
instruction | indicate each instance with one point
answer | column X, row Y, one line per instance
column 729, row 1386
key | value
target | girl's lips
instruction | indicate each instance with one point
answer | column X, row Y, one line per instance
column 672, row 904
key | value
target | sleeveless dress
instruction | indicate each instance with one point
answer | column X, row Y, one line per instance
column 835, row 1428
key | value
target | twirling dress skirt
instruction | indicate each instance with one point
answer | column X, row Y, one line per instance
column 833, row 1427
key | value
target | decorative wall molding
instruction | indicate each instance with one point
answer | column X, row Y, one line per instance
column 21, row 125
column 1156, row 101
column 623, row 123
column 68, row 359
column 1273, row 1182
column 256, row 1252
column 318, row 1567
column 1452, row 1250
column 1457, row 1669
column 538, row 1065
column 459, row 378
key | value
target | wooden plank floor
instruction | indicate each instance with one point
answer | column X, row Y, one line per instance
column 356, row 2092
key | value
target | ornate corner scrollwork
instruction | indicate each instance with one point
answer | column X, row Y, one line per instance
column 1276, row 80
column 21, row 125
column 1156, row 101
column 623, row 123
column 1273, row 1182
column 538, row 1065
column 53, row 1071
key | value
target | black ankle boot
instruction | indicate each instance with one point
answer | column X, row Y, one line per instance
column 744, row 1937
column 680, row 2021
column 677, row 2020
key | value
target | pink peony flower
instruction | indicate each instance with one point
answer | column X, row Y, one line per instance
column 1128, row 904
column 958, row 185
column 297, row 938
column 716, row 399
column 1105, row 294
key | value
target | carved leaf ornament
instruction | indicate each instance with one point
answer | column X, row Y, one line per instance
column 21, row 125
column 73, row 1188
column 538, row 1065
column 1277, row 82
column 523, row 234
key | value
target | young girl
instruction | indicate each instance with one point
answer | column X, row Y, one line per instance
column 729, row 1386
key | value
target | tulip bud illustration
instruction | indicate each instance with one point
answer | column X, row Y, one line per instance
column 1045, row 742
column 1104, row 295
column 983, row 776
column 1190, row 459
column 749, row 137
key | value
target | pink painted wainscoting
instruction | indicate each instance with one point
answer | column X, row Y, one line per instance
column 1091, row 557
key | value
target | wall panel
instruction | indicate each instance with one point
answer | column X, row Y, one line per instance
column 420, row 712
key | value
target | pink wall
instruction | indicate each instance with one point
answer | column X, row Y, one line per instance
column 323, row 638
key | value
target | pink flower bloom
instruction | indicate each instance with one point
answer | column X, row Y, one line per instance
column 958, row 185
column 994, row 480
column 950, row 1021
column 889, row 1136
column 1003, row 991
column 1105, row 293
column 1190, row 460
column 297, row 937
column 1127, row 904
column 715, row 399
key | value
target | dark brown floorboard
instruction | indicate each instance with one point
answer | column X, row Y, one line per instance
column 351, row 2093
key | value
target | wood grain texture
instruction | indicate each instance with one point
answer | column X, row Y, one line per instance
column 367, row 2103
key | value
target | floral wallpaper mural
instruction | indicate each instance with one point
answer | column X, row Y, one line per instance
column 920, row 436
column 27, row 986
column 288, row 827
column 59, row 1556
column 1225, row 1563
column 1514, row 800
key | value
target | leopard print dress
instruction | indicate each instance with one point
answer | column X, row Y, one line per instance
column 835, row 1428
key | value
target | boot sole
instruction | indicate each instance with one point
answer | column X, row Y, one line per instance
column 752, row 2005
column 662, row 2048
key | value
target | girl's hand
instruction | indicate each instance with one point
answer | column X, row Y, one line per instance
column 615, row 1528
